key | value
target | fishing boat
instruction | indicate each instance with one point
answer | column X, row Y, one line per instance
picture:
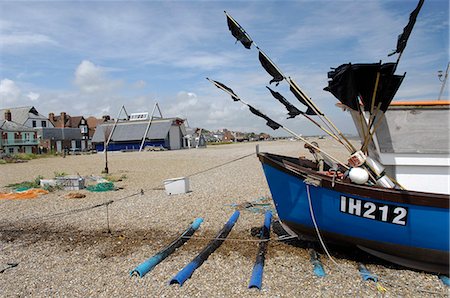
column 391, row 197
column 405, row 227
column 408, row 227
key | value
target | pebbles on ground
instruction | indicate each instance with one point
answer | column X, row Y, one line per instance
column 63, row 248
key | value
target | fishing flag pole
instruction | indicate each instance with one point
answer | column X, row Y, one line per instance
column 240, row 34
column 401, row 45
column 294, row 85
column 272, row 124
column 293, row 111
column 404, row 36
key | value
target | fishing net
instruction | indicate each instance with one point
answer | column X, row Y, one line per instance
column 27, row 194
column 104, row 186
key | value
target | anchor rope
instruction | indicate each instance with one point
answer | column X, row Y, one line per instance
column 317, row 229
column 240, row 239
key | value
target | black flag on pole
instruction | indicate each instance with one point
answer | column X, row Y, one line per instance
column 350, row 81
column 311, row 112
column 270, row 68
column 226, row 89
column 342, row 85
column 238, row 32
column 292, row 110
column 298, row 95
column 403, row 38
column 272, row 124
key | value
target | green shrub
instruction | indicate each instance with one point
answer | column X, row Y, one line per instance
column 59, row 174
column 25, row 156
column 36, row 183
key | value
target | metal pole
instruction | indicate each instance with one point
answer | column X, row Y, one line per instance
column 114, row 126
column 148, row 127
column 443, row 82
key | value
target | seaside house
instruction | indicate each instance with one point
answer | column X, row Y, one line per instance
column 26, row 116
column 56, row 139
column 75, row 141
column 194, row 138
column 93, row 122
column 130, row 134
column 15, row 137
column 228, row 136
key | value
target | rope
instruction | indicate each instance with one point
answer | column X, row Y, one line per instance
column 317, row 228
column 221, row 165
column 69, row 212
column 380, row 288
column 279, row 239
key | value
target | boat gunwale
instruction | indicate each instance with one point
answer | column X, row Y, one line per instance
column 377, row 193
column 420, row 103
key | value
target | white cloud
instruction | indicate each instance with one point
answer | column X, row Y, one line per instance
column 9, row 91
column 145, row 50
column 91, row 78
column 17, row 34
column 28, row 39
column 33, row 96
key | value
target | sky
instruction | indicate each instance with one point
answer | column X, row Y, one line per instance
column 90, row 58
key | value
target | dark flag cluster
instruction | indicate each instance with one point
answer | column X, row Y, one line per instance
column 350, row 81
column 238, row 32
column 226, row 89
column 270, row 68
column 272, row 124
column 298, row 95
column 403, row 38
column 292, row 110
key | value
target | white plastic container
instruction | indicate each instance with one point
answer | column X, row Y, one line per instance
column 175, row 186
column 47, row 182
column 71, row 182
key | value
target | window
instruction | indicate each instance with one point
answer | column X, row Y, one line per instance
column 43, row 123
column 11, row 150
column 34, row 123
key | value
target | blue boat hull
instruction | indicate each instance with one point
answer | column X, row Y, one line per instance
column 391, row 224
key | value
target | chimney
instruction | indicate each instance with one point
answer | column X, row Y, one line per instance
column 51, row 117
column 63, row 119
column 8, row 115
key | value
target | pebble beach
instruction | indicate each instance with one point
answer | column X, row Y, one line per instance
column 67, row 247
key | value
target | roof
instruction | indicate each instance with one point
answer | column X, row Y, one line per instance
column 22, row 114
column 133, row 130
column 13, row 126
column 67, row 133
column 75, row 121
column 71, row 121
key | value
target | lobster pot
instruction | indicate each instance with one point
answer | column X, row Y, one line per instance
column 175, row 186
